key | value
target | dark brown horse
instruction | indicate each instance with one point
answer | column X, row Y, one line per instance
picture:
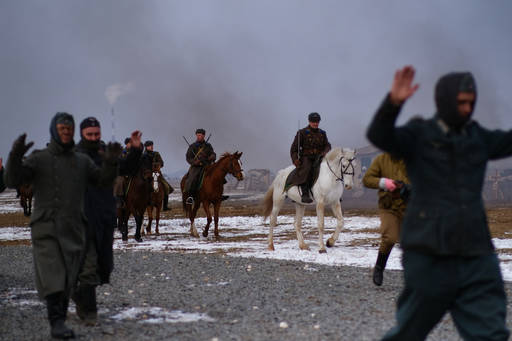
column 156, row 198
column 26, row 199
column 137, row 200
column 211, row 190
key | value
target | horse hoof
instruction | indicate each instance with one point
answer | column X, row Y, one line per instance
column 322, row 251
column 124, row 237
column 271, row 248
column 329, row 243
column 138, row 239
column 205, row 234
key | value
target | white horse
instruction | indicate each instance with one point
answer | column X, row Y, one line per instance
column 336, row 173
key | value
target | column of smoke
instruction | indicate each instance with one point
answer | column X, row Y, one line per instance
column 112, row 93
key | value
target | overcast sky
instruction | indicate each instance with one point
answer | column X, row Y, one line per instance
column 246, row 71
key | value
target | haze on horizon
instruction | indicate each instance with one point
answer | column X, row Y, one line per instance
column 246, row 71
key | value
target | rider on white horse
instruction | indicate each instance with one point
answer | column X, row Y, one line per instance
column 308, row 148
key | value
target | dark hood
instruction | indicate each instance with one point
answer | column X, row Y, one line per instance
column 447, row 89
column 61, row 117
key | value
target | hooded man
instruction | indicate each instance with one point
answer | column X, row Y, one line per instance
column 309, row 146
column 59, row 177
column 100, row 210
column 448, row 256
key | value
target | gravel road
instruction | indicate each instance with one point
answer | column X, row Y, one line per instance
column 173, row 296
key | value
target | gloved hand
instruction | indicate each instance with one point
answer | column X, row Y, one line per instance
column 113, row 152
column 197, row 163
column 19, row 148
column 296, row 163
column 387, row 184
column 211, row 158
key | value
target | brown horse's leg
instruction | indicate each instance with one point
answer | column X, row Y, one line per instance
column 192, row 216
column 150, row 219
column 216, row 210
column 206, row 206
column 157, row 218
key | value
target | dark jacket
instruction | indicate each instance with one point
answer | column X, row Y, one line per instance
column 100, row 206
column 202, row 152
column 150, row 157
column 445, row 213
column 311, row 142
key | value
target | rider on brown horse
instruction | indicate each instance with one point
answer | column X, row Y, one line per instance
column 148, row 159
column 199, row 155
column 308, row 147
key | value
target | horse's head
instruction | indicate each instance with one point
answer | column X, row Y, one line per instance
column 340, row 162
column 234, row 165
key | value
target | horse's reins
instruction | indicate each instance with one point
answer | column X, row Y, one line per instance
column 344, row 171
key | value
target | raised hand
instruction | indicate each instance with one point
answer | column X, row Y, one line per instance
column 136, row 136
column 19, row 148
column 403, row 87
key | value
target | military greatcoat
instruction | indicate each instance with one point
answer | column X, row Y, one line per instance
column 58, row 224
column 308, row 147
column 199, row 155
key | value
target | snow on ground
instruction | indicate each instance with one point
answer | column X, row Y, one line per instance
column 247, row 237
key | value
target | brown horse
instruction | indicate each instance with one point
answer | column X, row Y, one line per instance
column 156, row 198
column 211, row 190
column 26, row 199
column 137, row 199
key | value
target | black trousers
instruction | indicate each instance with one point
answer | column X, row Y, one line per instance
column 470, row 288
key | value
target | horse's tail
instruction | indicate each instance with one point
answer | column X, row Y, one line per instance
column 268, row 202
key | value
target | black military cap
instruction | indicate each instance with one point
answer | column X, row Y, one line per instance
column 200, row 131
column 127, row 140
column 89, row 122
column 314, row 117
column 148, row 143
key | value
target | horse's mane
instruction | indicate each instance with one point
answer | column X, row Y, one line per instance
column 209, row 168
column 331, row 155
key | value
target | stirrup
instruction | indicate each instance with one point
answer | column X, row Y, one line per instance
column 189, row 201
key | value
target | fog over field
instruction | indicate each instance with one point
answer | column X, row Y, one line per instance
column 246, row 71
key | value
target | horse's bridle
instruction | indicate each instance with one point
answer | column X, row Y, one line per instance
column 231, row 169
column 344, row 170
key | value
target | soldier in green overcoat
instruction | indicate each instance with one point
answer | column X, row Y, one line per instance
column 59, row 176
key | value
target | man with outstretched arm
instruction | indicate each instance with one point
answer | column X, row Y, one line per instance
column 448, row 257
column 59, row 176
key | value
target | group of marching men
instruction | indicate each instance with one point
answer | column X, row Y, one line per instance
column 449, row 260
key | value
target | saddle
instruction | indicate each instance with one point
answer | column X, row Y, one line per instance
column 314, row 172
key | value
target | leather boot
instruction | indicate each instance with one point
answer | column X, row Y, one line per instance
column 378, row 270
column 305, row 194
column 224, row 197
column 85, row 300
column 166, row 202
column 57, row 309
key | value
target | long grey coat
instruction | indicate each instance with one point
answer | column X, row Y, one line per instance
column 58, row 224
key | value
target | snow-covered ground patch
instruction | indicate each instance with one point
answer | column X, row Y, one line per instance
column 243, row 236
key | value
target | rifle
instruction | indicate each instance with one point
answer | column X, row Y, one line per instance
column 186, row 140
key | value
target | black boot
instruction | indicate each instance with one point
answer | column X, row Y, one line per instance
column 57, row 305
column 85, row 300
column 378, row 270
column 166, row 202
column 224, row 197
column 305, row 194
